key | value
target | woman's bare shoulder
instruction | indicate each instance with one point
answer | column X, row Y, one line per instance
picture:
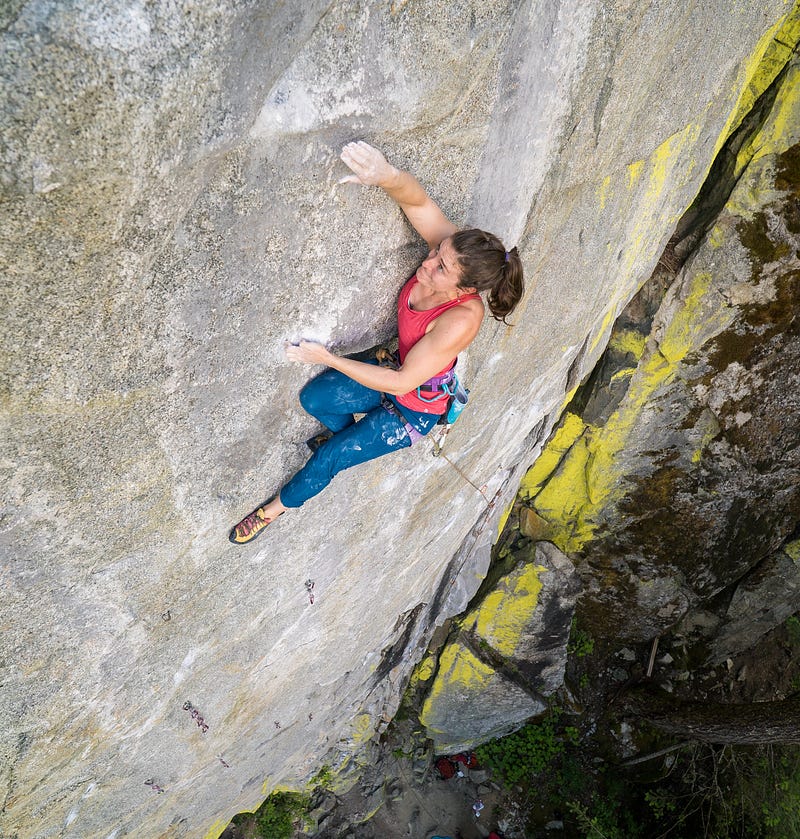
column 466, row 317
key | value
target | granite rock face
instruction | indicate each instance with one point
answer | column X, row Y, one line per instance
column 170, row 217
column 676, row 470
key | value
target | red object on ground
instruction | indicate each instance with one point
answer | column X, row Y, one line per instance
column 446, row 767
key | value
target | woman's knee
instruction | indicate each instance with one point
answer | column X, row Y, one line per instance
column 315, row 394
column 308, row 398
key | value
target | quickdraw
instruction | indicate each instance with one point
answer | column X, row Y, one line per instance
column 154, row 786
column 196, row 716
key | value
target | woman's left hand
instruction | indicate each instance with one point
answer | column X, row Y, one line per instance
column 369, row 165
column 308, row 352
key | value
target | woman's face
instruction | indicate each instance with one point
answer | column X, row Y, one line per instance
column 440, row 272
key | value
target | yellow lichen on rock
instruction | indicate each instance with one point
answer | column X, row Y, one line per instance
column 708, row 425
column 666, row 157
column 697, row 316
column 634, row 173
column 570, row 491
column 569, row 429
column 578, row 473
column 506, row 612
column 216, row 829
column 363, row 728
column 605, row 326
column 565, row 496
column 775, row 134
column 425, row 669
column 460, row 672
column 504, row 517
column 627, row 341
column 792, row 550
column 770, row 55
column 625, row 373
column 603, row 191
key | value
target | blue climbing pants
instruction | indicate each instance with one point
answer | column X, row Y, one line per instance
column 333, row 398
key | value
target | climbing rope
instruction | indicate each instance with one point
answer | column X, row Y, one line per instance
column 464, row 476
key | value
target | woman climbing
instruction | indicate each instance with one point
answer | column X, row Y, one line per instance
column 439, row 313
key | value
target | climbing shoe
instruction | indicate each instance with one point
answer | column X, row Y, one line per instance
column 251, row 526
column 317, row 441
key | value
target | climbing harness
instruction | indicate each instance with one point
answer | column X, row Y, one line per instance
column 438, row 387
column 445, row 386
column 389, row 406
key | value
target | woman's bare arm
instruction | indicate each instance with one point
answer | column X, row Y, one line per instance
column 451, row 333
column 371, row 168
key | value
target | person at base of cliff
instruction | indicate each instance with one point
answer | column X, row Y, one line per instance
column 440, row 311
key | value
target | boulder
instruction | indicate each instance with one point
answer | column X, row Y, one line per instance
column 508, row 655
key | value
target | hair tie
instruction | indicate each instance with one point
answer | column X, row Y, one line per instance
column 506, row 256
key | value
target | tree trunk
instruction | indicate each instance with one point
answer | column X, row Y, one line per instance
column 711, row 722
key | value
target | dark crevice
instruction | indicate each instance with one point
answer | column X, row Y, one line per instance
column 503, row 666
column 690, row 231
column 721, row 179
column 395, row 653
column 574, row 372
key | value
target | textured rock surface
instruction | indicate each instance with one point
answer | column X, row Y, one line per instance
column 508, row 655
column 677, row 470
column 762, row 601
column 170, row 217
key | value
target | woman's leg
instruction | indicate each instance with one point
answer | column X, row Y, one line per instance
column 333, row 398
column 378, row 433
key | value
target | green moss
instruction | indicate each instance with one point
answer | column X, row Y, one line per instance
column 323, row 778
column 277, row 816
column 793, row 630
column 580, row 642
column 762, row 250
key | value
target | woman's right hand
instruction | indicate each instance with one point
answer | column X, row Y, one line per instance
column 370, row 167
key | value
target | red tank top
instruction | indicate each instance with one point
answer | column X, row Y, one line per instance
column 411, row 326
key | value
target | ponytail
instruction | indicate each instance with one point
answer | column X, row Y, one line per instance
column 487, row 266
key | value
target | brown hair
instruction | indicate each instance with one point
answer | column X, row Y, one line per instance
column 487, row 266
